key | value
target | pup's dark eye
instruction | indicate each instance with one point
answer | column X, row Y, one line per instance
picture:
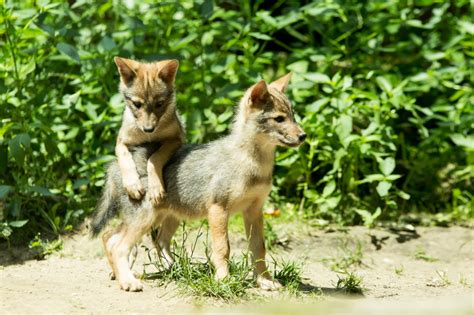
column 137, row 104
column 279, row 119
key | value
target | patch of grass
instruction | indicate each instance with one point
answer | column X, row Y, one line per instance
column 350, row 283
column 195, row 275
column 420, row 254
column 289, row 275
column 347, row 257
column 399, row 270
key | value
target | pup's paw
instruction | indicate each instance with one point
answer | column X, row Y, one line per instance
column 132, row 285
column 157, row 194
column 221, row 273
column 268, row 284
column 135, row 189
column 167, row 261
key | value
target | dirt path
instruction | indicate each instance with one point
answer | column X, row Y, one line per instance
column 430, row 270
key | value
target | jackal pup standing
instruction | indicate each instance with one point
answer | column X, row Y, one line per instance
column 210, row 180
column 149, row 116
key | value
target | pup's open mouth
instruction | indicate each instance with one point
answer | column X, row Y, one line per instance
column 290, row 143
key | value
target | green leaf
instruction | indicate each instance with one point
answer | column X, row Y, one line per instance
column 18, row 147
column 329, row 188
column 69, row 51
column 316, row 106
column 43, row 191
column 368, row 217
column 27, row 69
column 432, row 56
column 344, row 127
column 422, row 76
column 403, row 195
column 260, row 36
column 333, row 202
column 370, row 129
column 467, row 26
column 371, row 178
column 17, row 224
column 207, row 38
column 463, row 141
column 387, row 166
column 317, row 77
column 299, row 66
column 383, row 187
column 4, row 129
column 266, row 17
column 184, row 42
column 384, row 84
column 207, row 8
column 5, row 231
column 107, row 44
column 5, row 190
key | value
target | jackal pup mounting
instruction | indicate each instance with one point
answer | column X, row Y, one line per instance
column 212, row 180
column 149, row 116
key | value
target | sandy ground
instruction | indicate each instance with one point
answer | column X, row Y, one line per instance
column 394, row 280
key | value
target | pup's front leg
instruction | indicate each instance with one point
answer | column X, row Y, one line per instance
column 130, row 178
column 253, row 218
column 156, row 162
column 218, row 218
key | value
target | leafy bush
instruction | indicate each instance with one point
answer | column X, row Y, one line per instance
column 383, row 89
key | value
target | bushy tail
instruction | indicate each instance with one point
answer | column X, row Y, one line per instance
column 106, row 209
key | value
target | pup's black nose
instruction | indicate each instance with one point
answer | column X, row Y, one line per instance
column 148, row 129
column 302, row 136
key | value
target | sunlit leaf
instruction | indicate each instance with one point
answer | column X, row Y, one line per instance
column 387, row 166
column 383, row 188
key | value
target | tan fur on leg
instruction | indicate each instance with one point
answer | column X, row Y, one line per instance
column 218, row 218
column 253, row 219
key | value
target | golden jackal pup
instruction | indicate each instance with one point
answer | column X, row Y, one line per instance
column 212, row 180
column 149, row 116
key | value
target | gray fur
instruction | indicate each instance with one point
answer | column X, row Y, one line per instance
column 197, row 176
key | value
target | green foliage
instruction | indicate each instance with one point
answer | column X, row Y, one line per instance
column 43, row 247
column 383, row 89
column 350, row 284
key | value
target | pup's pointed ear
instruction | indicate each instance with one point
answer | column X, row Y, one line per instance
column 259, row 93
column 168, row 72
column 282, row 83
column 127, row 69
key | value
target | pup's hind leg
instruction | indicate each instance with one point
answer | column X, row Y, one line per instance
column 218, row 218
column 253, row 219
column 110, row 239
column 163, row 239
